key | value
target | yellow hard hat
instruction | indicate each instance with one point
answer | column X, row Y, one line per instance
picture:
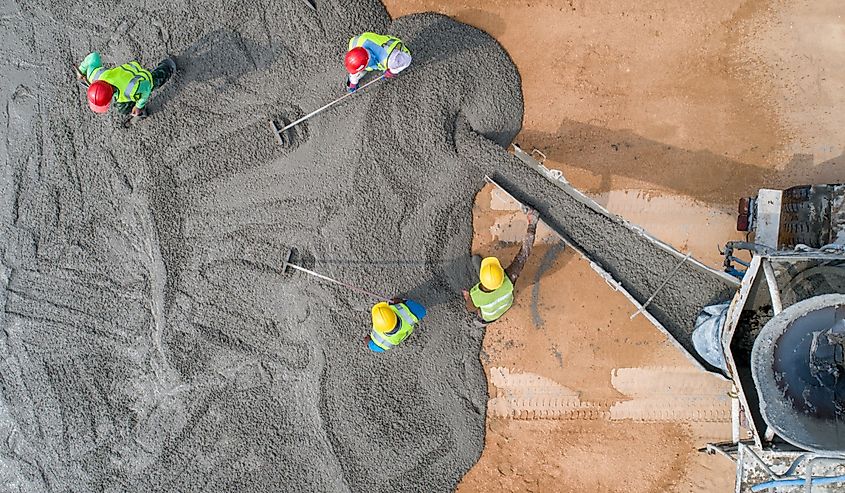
column 492, row 275
column 384, row 319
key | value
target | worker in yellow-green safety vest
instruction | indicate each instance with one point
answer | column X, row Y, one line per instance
column 493, row 295
column 370, row 51
column 393, row 322
column 129, row 85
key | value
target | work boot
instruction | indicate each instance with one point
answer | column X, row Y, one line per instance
column 170, row 62
column 162, row 73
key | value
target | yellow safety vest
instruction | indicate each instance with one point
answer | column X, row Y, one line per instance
column 379, row 47
column 131, row 80
column 408, row 322
column 495, row 303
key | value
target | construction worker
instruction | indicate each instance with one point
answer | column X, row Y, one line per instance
column 371, row 51
column 129, row 85
column 493, row 295
column 393, row 322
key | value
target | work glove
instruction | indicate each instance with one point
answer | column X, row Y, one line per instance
column 139, row 112
column 81, row 77
column 388, row 74
column 350, row 87
column 533, row 216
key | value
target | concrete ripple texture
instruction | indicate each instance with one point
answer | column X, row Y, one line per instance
column 150, row 341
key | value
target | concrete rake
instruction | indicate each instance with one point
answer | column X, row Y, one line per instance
column 288, row 264
column 280, row 133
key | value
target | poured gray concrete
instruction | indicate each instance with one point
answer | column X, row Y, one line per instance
column 150, row 341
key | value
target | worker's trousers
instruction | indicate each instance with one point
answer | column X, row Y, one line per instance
column 161, row 74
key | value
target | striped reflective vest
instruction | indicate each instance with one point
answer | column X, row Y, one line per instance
column 133, row 82
column 407, row 323
column 379, row 47
column 494, row 304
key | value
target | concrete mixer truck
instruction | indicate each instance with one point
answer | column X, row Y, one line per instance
column 781, row 340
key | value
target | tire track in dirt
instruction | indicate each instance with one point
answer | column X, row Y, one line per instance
column 531, row 396
column 658, row 395
column 670, row 394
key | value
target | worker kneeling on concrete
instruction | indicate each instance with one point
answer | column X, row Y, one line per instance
column 393, row 322
column 129, row 85
column 493, row 295
column 371, row 51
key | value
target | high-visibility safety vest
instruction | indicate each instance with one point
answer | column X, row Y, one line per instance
column 495, row 303
column 132, row 81
column 379, row 47
column 407, row 323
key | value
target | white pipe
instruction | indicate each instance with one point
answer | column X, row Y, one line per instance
column 735, row 415
column 774, row 292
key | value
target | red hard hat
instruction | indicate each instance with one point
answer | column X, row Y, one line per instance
column 356, row 59
column 99, row 96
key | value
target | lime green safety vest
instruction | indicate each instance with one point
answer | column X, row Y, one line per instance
column 494, row 304
column 131, row 80
column 407, row 322
column 379, row 46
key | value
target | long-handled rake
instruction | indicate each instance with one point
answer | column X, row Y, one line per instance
column 288, row 264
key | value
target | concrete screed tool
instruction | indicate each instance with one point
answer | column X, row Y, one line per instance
column 329, row 279
column 279, row 133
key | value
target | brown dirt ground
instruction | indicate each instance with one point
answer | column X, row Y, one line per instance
column 665, row 112
column 570, row 327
